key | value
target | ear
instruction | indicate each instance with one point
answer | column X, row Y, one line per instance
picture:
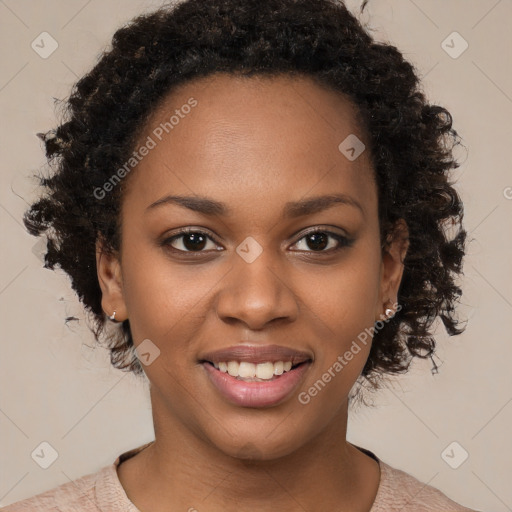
column 110, row 279
column 393, row 256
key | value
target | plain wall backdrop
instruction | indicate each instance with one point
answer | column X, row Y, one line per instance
column 56, row 388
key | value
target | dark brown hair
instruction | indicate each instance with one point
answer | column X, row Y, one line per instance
column 411, row 144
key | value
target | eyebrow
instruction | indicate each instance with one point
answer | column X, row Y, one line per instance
column 292, row 209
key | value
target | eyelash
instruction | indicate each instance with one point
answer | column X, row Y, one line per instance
column 343, row 241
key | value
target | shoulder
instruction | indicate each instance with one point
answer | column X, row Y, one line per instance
column 96, row 492
column 79, row 495
column 400, row 491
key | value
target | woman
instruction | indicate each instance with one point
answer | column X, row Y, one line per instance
column 250, row 200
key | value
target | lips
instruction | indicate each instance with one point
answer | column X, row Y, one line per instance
column 257, row 354
column 262, row 393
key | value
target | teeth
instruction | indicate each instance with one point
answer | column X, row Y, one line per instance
column 264, row 370
column 245, row 370
column 233, row 368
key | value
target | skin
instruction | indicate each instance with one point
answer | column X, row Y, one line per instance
column 253, row 144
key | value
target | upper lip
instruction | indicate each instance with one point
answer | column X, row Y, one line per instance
column 256, row 354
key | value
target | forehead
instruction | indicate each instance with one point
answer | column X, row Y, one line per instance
column 255, row 138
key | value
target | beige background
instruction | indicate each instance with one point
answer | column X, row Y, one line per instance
column 56, row 388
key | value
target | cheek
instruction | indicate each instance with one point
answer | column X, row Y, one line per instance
column 342, row 305
column 340, row 355
column 161, row 297
column 345, row 296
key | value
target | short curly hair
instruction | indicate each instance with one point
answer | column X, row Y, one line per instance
column 411, row 146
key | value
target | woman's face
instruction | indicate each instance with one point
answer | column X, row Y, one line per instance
column 250, row 274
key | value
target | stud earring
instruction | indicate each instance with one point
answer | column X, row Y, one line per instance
column 390, row 312
column 113, row 316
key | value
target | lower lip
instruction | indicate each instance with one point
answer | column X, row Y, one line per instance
column 256, row 394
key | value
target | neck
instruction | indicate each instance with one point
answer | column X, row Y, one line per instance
column 182, row 471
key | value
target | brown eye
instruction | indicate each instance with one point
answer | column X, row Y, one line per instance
column 189, row 241
column 319, row 240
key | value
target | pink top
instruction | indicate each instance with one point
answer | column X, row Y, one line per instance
column 102, row 492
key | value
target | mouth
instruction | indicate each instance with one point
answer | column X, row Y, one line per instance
column 256, row 376
column 251, row 372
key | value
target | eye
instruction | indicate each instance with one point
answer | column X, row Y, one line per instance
column 189, row 240
column 195, row 241
column 318, row 239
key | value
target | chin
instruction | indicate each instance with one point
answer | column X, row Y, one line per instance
column 257, row 444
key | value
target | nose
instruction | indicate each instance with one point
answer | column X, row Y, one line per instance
column 256, row 294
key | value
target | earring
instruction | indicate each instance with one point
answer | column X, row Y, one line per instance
column 389, row 312
column 113, row 316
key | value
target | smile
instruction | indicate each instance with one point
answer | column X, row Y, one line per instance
column 240, row 384
column 250, row 371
